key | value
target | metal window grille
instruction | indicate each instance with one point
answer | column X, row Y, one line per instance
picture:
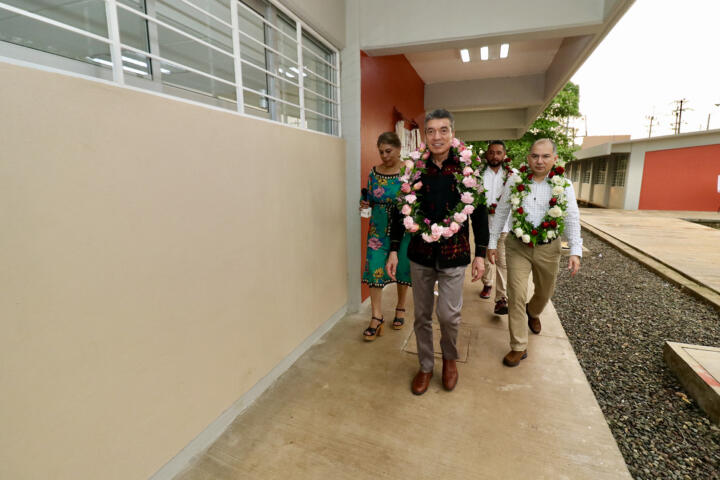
column 619, row 175
column 601, row 174
column 586, row 174
column 252, row 56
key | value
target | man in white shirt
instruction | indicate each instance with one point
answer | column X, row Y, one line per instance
column 494, row 179
column 543, row 206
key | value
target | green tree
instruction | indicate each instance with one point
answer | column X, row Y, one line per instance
column 552, row 123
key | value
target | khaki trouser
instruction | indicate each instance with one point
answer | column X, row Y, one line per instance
column 449, row 303
column 543, row 262
column 498, row 272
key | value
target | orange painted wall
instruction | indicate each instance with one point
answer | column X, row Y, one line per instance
column 681, row 179
column 386, row 82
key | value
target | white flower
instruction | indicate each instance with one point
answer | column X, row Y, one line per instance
column 409, row 165
column 415, row 155
column 514, row 180
column 526, row 238
column 515, row 200
column 558, row 180
column 554, row 212
column 551, row 234
column 518, row 232
column 558, row 190
column 405, row 178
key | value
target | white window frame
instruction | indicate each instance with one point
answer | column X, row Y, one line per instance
column 117, row 47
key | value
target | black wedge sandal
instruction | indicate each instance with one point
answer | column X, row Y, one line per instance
column 398, row 323
column 370, row 333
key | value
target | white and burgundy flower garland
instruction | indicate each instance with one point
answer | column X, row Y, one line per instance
column 507, row 171
column 553, row 223
column 469, row 185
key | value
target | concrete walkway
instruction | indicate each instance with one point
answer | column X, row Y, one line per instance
column 344, row 411
column 688, row 248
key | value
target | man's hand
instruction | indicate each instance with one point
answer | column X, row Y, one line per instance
column 491, row 255
column 574, row 264
column 391, row 265
column 478, row 268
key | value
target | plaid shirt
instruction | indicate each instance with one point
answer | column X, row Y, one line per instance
column 437, row 197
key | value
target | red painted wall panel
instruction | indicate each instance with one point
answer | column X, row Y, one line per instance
column 386, row 82
column 681, row 179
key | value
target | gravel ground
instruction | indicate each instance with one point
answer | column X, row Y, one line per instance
column 618, row 314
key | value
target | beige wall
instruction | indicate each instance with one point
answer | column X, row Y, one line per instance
column 617, row 197
column 157, row 259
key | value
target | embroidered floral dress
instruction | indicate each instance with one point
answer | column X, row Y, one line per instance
column 382, row 191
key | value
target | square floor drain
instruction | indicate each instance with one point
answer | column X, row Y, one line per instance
column 463, row 342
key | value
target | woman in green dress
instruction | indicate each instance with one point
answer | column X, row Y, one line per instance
column 382, row 189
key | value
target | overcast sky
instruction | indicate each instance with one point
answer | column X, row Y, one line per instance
column 660, row 51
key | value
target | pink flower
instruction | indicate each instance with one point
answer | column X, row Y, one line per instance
column 414, row 228
column 454, row 227
column 405, row 178
column 417, row 186
column 414, row 155
column 466, row 197
column 427, row 221
column 426, row 155
column 410, row 198
column 467, row 171
column 409, row 164
column 428, row 238
column 408, row 221
column 374, row 243
column 406, row 209
column 422, row 146
column 447, row 233
column 466, row 154
column 405, row 188
column 468, row 210
column 420, row 164
column 455, row 142
column 460, row 217
column 437, row 230
column 469, row 182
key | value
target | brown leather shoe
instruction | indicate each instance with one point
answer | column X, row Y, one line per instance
column 449, row 375
column 533, row 322
column 513, row 358
column 421, row 382
column 485, row 293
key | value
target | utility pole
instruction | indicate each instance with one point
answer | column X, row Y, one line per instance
column 651, row 119
column 677, row 112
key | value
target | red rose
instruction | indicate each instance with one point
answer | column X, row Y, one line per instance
column 553, row 223
column 559, row 170
column 521, row 188
column 523, row 168
column 545, row 224
column 530, row 244
column 551, row 174
column 534, row 232
column 553, row 201
column 520, row 210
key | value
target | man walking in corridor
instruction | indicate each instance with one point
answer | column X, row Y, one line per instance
column 442, row 256
column 541, row 204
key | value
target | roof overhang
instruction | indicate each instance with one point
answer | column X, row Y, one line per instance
column 499, row 98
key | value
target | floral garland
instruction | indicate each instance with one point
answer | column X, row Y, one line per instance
column 469, row 185
column 553, row 223
column 507, row 171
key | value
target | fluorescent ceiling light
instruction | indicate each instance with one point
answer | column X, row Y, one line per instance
column 504, row 49
column 465, row 55
column 484, row 53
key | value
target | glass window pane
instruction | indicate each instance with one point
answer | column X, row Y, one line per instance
column 320, row 124
column 86, row 15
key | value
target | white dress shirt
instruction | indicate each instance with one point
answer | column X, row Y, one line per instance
column 493, row 184
column 536, row 205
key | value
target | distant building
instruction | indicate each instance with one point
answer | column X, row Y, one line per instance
column 674, row 172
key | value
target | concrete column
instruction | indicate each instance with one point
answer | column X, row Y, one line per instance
column 350, row 88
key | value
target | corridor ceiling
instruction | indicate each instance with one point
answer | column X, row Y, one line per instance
column 498, row 98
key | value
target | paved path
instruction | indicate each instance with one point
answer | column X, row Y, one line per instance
column 344, row 411
column 687, row 247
